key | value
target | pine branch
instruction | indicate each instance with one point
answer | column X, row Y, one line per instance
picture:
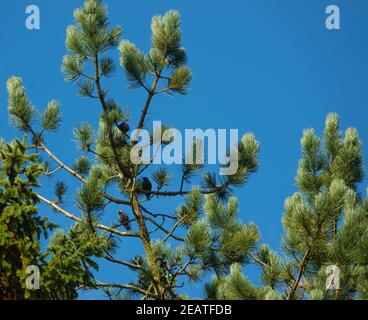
column 97, row 154
column 163, row 90
column 75, row 218
column 50, row 173
column 182, row 193
column 183, row 268
column 151, row 161
column 300, row 274
column 169, row 233
column 62, row 165
column 125, row 286
column 303, row 264
column 124, row 263
column 101, row 96
column 259, row 261
column 143, row 231
column 147, row 104
column 155, row 215
column 151, row 93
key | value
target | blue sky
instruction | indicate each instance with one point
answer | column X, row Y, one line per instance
column 262, row 66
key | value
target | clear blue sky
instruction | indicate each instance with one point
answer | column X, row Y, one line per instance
column 263, row 66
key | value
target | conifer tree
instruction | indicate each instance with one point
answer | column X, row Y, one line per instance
column 66, row 263
column 108, row 178
column 325, row 225
column 20, row 226
column 325, row 222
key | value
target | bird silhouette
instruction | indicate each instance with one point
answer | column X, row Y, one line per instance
column 123, row 127
column 147, row 187
column 124, row 220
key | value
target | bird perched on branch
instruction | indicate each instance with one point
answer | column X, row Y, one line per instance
column 124, row 220
column 123, row 127
column 147, row 187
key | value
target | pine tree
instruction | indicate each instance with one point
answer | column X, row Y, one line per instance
column 65, row 264
column 325, row 222
column 70, row 265
column 105, row 164
column 20, row 225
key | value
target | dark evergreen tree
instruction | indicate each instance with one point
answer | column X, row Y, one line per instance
column 66, row 263
column 20, row 225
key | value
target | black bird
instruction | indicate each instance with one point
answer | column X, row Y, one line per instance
column 123, row 127
column 147, row 187
column 124, row 220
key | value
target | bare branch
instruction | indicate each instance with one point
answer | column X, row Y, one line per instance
column 124, row 286
column 182, row 193
column 173, row 229
column 75, row 218
column 124, row 263
column 162, row 228
column 73, row 172
column 155, row 215
column 259, row 261
column 163, row 90
column 50, row 173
